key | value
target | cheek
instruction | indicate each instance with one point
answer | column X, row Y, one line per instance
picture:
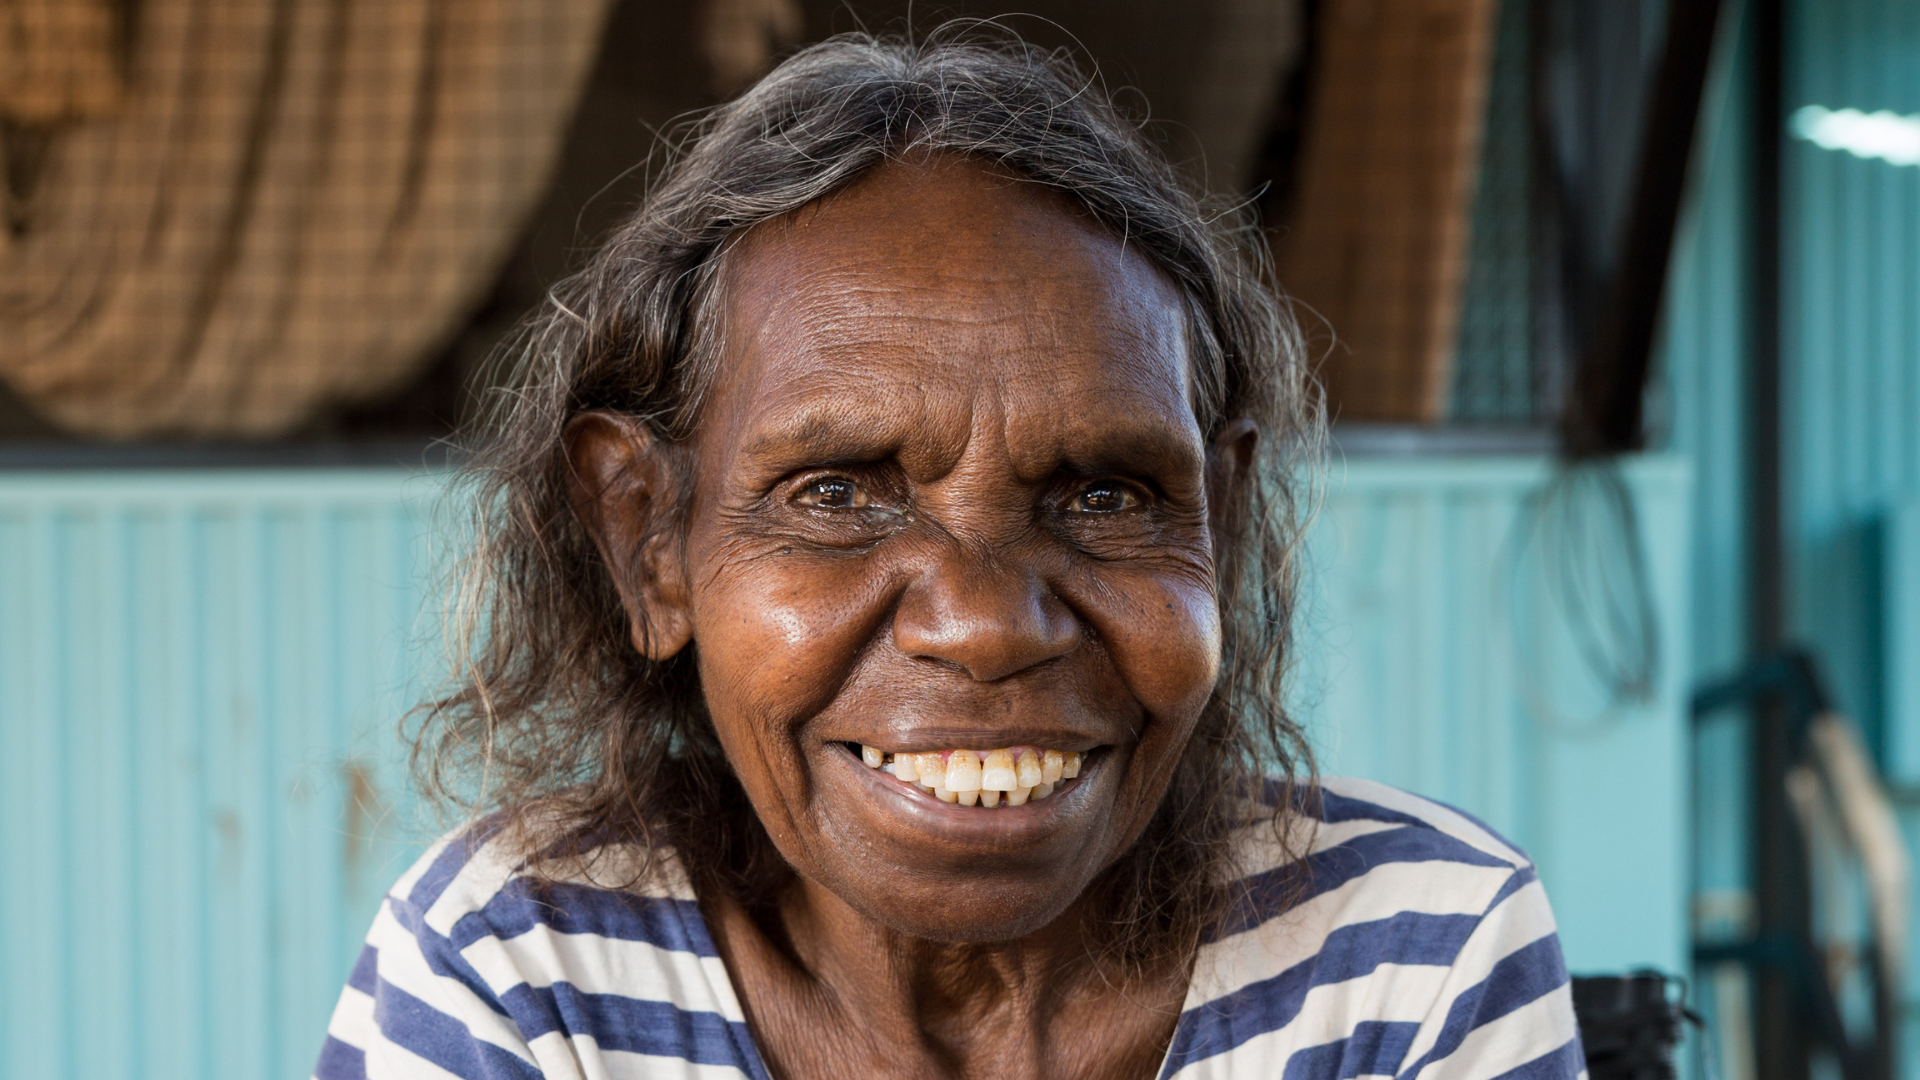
column 1163, row 632
column 777, row 636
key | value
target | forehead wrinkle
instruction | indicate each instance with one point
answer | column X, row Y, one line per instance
column 841, row 307
column 1145, row 412
column 1027, row 281
column 889, row 393
column 891, row 314
column 1146, row 342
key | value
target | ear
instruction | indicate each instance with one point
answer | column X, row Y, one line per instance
column 622, row 484
column 1230, row 463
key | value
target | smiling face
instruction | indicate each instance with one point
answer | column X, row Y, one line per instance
column 948, row 493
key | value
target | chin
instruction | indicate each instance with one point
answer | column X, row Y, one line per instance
column 963, row 910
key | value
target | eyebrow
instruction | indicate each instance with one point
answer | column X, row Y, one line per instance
column 1127, row 449
column 824, row 435
column 816, row 435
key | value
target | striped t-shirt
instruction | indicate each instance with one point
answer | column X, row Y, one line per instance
column 1421, row 947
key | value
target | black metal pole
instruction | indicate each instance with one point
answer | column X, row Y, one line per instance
column 1604, row 415
column 1779, row 870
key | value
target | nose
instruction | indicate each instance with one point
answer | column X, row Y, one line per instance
column 984, row 616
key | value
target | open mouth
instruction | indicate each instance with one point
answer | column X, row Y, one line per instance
column 1011, row 776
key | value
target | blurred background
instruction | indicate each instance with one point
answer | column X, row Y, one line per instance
column 1617, row 548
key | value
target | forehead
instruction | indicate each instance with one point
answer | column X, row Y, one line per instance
column 928, row 293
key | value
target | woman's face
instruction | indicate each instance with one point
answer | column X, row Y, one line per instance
column 948, row 494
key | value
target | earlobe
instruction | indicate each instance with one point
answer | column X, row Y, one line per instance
column 623, row 491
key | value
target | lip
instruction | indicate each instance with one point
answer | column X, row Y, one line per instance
column 923, row 740
column 908, row 812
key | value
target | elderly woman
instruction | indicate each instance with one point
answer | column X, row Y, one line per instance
column 883, row 588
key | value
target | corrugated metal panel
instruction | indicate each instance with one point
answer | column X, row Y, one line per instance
column 1412, row 675
column 1902, row 570
column 1852, row 379
column 1852, row 376
column 1702, row 360
column 1701, row 400
column 1851, row 355
column 200, row 677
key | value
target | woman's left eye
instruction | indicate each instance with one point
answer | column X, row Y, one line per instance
column 1104, row 498
column 833, row 493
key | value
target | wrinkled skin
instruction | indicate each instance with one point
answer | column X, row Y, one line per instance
column 948, row 491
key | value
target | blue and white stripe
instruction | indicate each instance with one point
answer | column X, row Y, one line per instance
column 1419, row 947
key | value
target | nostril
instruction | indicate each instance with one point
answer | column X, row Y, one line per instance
column 984, row 618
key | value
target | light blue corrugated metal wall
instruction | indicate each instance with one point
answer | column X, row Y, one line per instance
column 201, row 796
column 1852, row 376
column 1852, row 371
column 1902, row 592
column 1702, row 361
column 200, row 677
column 1851, row 414
column 1421, row 621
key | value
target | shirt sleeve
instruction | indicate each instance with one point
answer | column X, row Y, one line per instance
column 1506, row 1009
column 414, row 1009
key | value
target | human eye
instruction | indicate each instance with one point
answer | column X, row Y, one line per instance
column 833, row 493
column 1104, row 497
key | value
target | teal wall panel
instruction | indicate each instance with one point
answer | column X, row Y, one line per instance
column 1701, row 359
column 1700, row 404
column 1851, row 400
column 202, row 790
column 1424, row 628
column 1902, row 576
column 1851, row 439
column 1852, row 372
column 200, row 802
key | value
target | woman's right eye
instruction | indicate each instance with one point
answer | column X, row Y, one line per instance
column 833, row 493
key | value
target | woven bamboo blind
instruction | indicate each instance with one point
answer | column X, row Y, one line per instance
column 226, row 215
column 1379, row 233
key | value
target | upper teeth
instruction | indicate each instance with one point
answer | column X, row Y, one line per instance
column 971, row 777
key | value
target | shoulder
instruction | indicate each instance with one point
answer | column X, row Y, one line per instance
column 1352, row 802
column 1345, row 813
column 471, row 886
column 1388, row 933
column 1344, row 838
column 1360, row 844
column 475, row 964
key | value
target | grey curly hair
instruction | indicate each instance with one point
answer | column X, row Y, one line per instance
column 574, row 740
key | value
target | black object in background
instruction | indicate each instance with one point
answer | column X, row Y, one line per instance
column 1616, row 100
column 1797, row 1004
column 1629, row 1025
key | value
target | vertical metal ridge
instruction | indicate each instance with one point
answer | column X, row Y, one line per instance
column 170, row 676
column 302, row 601
column 1407, row 676
column 1851, row 422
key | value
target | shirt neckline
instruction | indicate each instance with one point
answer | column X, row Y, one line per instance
column 749, row 1044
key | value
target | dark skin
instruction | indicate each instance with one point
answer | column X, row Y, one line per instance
column 949, row 491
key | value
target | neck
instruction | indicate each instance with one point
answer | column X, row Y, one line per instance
column 827, row 989
column 888, row 971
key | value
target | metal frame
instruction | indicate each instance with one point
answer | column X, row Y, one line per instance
column 1784, row 693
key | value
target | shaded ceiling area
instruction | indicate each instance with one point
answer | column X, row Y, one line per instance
column 1204, row 75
